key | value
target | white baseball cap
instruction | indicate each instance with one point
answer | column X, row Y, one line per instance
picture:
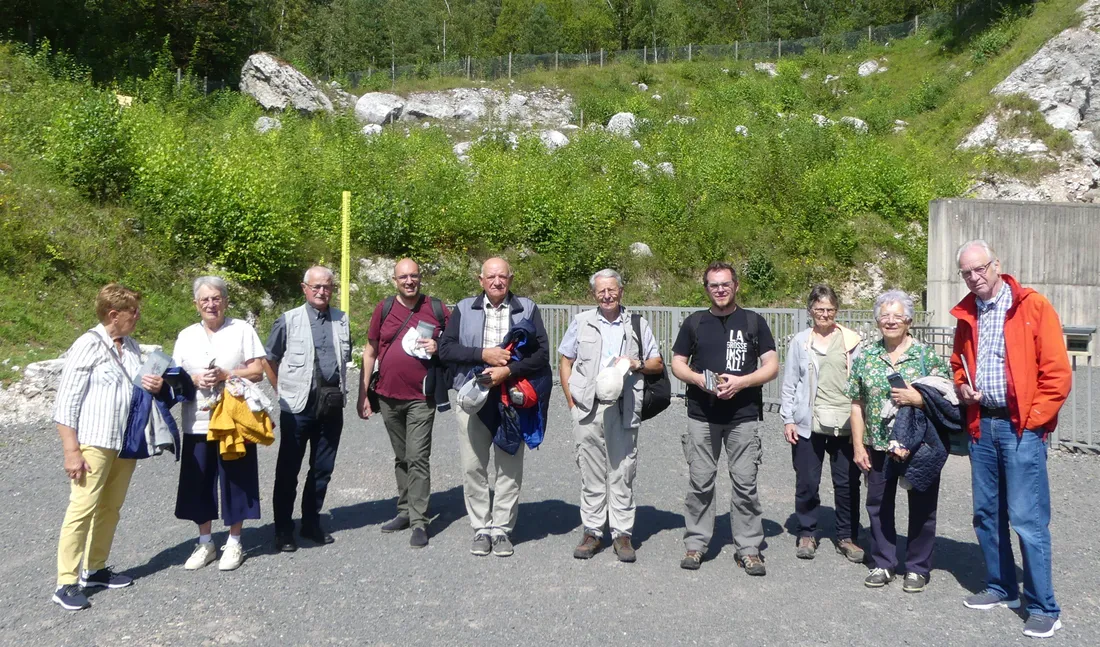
column 472, row 396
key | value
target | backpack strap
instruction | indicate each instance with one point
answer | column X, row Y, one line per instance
column 387, row 305
column 437, row 311
column 636, row 323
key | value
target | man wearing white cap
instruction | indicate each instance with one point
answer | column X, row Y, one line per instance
column 471, row 344
column 602, row 359
column 403, row 334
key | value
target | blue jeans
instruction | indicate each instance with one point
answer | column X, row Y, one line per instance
column 1009, row 482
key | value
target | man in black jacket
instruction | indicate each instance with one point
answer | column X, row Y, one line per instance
column 471, row 343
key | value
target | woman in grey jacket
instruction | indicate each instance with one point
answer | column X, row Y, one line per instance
column 815, row 410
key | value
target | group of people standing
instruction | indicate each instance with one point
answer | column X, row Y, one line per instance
column 859, row 403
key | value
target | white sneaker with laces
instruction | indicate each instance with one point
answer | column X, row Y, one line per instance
column 203, row 554
column 232, row 557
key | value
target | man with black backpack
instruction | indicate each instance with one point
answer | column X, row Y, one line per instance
column 604, row 354
column 724, row 355
column 403, row 335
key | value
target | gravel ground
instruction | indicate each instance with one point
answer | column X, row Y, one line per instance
column 370, row 588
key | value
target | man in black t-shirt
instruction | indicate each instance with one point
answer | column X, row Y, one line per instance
column 724, row 355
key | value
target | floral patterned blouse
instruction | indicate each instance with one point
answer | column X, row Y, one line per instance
column 867, row 382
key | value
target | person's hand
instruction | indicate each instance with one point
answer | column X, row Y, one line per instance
column 729, row 385
column 907, row 397
column 429, row 345
column 790, row 432
column 363, row 406
column 635, row 364
column 152, row 383
column 499, row 374
column 75, row 466
column 968, row 395
column 495, row 356
column 900, row 453
column 861, row 458
column 210, row 377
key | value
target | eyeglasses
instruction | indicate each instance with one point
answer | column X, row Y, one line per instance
column 407, row 277
column 320, row 287
column 608, row 292
column 824, row 312
column 715, row 287
column 208, row 301
column 890, row 317
column 976, row 271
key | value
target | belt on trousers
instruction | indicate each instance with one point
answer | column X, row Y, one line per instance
column 995, row 413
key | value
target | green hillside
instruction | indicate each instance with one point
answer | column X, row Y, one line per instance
column 179, row 184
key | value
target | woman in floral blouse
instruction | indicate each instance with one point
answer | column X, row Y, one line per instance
column 896, row 352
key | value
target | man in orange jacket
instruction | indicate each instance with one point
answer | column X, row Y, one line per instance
column 1012, row 372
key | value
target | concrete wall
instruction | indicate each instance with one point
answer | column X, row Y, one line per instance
column 1052, row 247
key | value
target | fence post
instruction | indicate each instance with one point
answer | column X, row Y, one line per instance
column 555, row 60
column 869, row 38
column 179, row 77
column 645, row 54
column 780, row 48
column 204, row 86
column 393, row 71
column 586, row 58
column 601, row 57
column 736, row 46
column 689, row 52
column 509, row 66
column 916, row 23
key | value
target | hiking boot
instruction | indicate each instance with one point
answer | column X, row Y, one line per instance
column 914, row 582
column 104, row 577
column 878, row 578
column 589, row 546
column 691, row 560
column 482, row 544
column 395, row 524
column 232, row 557
column 1038, row 626
column 502, row 546
column 623, row 549
column 851, row 551
column 753, row 564
column 71, row 597
column 806, row 548
column 988, row 599
column 418, row 538
column 204, row 553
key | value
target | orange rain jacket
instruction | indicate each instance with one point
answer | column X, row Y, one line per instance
column 1036, row 361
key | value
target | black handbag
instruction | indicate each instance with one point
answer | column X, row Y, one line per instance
column 656, row 389
column 329, row 401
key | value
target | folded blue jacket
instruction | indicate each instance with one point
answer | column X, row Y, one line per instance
column 923, row 432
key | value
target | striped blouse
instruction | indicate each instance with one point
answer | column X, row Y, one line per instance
column 94, row 394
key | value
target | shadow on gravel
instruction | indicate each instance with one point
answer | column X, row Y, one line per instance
column 176, row 555
column 826, row 523
column 540, row 519
column 447, row 507
column 649, row 521
column 962, row 560
column 723, row 534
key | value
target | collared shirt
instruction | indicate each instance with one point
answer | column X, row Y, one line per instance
column 613, row 336
column 94, row 394
column 498, row 321
column 990, row 377
column 324, row 350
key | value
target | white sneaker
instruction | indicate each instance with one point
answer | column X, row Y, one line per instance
column 232, row 556
column 203, row 554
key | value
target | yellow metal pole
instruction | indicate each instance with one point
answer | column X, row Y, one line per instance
column 345, row 251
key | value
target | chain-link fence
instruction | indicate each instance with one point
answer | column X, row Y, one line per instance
column 506, row 65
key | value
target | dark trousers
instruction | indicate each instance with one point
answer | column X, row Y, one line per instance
column 409, row 425
column 323, row 438
column 201, row 467
column 881, row 493
column 807, row 457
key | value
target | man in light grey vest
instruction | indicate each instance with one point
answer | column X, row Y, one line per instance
column 606, row 407
column 309, row 348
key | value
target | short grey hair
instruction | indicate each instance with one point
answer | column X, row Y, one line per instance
column 894, row 296
column 319, row 268
column 216, row 282
column 979, row 243
column 605, row 274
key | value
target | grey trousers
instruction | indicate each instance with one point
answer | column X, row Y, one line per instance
column 409, row 425
column 607, row 455
column 474, row 444
column 702, row 444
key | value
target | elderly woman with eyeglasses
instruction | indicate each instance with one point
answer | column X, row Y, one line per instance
column 816, row 411
column 897, row 354
column 210, row 351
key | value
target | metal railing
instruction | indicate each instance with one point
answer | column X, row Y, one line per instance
column 1076, row 422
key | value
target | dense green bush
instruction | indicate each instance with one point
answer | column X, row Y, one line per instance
column 88, row 144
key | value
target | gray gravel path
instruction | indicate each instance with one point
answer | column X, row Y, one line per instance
column 370, row 588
